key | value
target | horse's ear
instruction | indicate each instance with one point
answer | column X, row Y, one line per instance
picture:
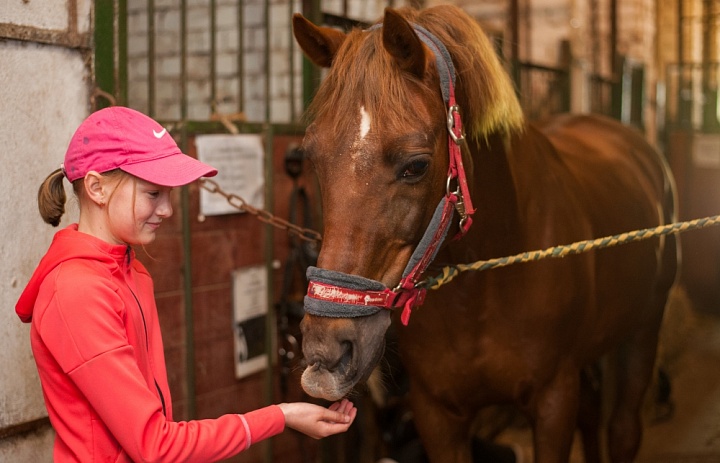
column 320, row 44
column 401, row 41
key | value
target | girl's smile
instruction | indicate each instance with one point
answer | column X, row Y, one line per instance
column 132, row 211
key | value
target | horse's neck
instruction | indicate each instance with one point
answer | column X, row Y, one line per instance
column 494, row 181
column 504, row 185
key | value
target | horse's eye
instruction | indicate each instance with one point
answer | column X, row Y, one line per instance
column 415, row 169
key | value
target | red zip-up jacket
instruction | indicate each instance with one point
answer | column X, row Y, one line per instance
column 96, row 340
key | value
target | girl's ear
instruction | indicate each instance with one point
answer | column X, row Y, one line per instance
column 95, row 187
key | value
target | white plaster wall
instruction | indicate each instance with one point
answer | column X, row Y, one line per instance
column 44, row 14
column 43, row 98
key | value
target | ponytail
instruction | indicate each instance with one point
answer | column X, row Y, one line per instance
column 51, row 198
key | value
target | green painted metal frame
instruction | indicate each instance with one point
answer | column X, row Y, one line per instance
column 109, row 65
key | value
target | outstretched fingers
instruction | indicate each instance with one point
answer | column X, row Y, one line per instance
column 318, row 422
column 344, row 406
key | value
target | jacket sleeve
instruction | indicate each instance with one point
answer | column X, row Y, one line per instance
column 85, row 332
column 117, row 391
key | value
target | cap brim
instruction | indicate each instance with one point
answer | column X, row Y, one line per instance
column 173, row 170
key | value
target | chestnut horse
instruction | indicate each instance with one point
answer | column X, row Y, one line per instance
column 521, row 334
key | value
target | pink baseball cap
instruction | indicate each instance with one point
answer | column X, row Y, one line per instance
column 122, row 138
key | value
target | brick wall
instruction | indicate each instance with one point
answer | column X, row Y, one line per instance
column 241, row 83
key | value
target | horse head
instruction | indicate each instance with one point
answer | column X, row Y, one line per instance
column 380, row 148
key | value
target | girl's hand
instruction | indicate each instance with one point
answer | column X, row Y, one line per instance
column 316, row 421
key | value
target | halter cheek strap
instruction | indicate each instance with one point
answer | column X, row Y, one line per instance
column 337, row 294
column 456, row 170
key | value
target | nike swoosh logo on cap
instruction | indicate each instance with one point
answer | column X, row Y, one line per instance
column 159, row 134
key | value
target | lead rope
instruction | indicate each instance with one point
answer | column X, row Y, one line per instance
column 452, row 271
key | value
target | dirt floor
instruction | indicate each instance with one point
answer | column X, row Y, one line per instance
column 691, row 354
column 692, row 435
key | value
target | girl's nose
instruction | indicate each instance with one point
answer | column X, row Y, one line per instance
column 165, row 209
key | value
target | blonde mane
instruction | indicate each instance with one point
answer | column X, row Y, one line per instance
column 484, row 90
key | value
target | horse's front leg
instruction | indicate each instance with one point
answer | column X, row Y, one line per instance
column 554, row 417
column 445, row 436
column 590, row 412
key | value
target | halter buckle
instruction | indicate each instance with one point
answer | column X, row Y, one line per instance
column 460, row 206
column 452, row 110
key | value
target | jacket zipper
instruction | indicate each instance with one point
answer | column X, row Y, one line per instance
column 147, row 341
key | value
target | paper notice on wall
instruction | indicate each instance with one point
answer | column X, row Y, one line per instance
column 250, row 309
column 239, row 160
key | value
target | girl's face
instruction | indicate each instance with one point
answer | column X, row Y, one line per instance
column 136, row 210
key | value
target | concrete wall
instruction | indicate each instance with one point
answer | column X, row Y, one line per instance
column 43, row 97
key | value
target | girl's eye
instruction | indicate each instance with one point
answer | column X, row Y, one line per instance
column 154, row 194
column 415, row 169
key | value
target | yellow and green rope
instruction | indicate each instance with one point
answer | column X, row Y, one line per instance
column 450, row 272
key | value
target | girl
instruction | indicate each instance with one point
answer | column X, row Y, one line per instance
column 95, row 333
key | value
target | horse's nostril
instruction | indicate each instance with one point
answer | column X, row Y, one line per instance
column 346, row 357
column 331, row 360
column 341, row 360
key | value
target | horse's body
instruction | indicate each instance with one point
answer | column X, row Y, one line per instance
column 520, row 334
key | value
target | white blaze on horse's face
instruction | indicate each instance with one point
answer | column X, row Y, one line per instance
column 365, row 121
column 359, row 153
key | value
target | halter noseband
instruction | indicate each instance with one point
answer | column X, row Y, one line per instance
column 337, row 294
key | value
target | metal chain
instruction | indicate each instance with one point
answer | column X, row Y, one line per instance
column 239, row 203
